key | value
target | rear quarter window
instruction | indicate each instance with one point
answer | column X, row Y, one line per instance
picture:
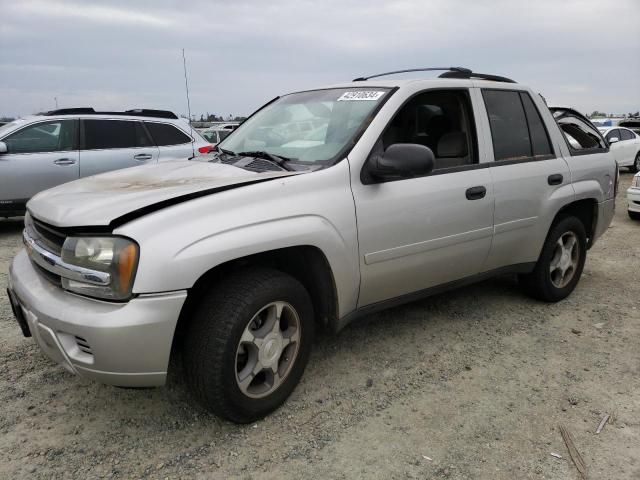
column 164, row 134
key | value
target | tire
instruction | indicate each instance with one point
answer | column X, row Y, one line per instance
column 547, row 281
column 636, row 164
column 633, row 215
column 218, row 356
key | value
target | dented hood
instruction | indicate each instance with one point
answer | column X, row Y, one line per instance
column 115, row 197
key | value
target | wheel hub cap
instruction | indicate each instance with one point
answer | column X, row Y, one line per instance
column 271, row 349
column 267, row 349
column 565, row 259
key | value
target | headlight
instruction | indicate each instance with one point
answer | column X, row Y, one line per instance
column 635, row 183
column 116, row 256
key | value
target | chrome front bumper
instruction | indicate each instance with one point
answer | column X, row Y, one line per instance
column 124, row 344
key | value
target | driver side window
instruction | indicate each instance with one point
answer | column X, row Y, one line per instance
column 441, row 120
column 55, row 136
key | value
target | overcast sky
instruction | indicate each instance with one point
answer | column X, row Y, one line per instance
column 241, row 53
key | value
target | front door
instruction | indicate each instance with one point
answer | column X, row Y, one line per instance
column 417, row 233
column 40, row 156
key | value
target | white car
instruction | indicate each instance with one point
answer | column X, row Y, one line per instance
column 46, row 150
column 215, row 135
column 633, row 197
column 625, row 146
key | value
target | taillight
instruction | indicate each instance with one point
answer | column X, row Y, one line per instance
column 205, row 149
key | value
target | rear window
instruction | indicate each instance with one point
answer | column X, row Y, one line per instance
column 107, row 134
column 164, row 134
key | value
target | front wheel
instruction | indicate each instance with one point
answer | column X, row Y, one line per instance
column 248, row 344
column 560, row 265
column 633, row 215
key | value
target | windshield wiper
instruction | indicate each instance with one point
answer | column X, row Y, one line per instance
column 279, row 160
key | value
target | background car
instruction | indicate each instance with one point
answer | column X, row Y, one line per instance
column 633, row 198
column 215, row 135
column 40, row 152
column 625, row 145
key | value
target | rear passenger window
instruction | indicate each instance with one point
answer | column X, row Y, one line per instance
column 581, row 136
column 626, row 135
column 164, row 134
column 107, row 134
column 508, row 122
column 539, row 139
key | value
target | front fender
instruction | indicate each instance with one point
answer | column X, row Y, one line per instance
column 195, row 259
column 181, row 243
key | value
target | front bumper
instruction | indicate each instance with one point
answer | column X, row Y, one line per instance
column 633, row 199
column 124, row 344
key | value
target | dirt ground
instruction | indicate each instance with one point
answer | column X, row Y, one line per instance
column 468, row 384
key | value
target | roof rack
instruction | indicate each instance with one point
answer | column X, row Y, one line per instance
column 138, row 112
column 450, row 72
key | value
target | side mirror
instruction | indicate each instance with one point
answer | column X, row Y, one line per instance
column 614, row 140
column 403, row 160
column 3, row 147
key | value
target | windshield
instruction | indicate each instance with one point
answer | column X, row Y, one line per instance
column 308, row 127
column 9, row 126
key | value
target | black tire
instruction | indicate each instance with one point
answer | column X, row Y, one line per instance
column 212, row 339
column 636, row 164
column 633, row 215
column 539, row 283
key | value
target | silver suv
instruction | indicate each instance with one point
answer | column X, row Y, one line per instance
column 43, row 151
column 403, row 189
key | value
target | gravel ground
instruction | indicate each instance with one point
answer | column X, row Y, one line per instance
column 468, row 384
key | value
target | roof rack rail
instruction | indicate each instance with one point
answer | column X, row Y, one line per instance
column 450, row 72
column 138, row 112
column 426, row 69
column 481, row 76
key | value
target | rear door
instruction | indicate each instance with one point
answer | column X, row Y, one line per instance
column 530, row 178
column 111, row 144
column 172, row 142
column 40, row 156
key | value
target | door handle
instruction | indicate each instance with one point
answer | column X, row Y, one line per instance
column 555, row 179
column 476, row 193
column 142, row 156
column 64, row 161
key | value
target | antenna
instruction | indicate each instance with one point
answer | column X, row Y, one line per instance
column 56, row 100
column 186, row 86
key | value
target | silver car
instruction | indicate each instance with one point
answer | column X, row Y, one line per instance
column 43, row 151
column 406, row 188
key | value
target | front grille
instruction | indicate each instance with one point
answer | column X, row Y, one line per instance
column 50, row 276
column 83, row 345
column 49, row 237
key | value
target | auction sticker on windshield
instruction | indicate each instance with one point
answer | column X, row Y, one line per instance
column 360, row 95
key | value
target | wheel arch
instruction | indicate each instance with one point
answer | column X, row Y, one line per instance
column 586, row 210
column 306, row 263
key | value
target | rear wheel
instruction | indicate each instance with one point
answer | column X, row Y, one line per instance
column 560, row 265
column 636, row 164
column 633, row 215
column 248, row 344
